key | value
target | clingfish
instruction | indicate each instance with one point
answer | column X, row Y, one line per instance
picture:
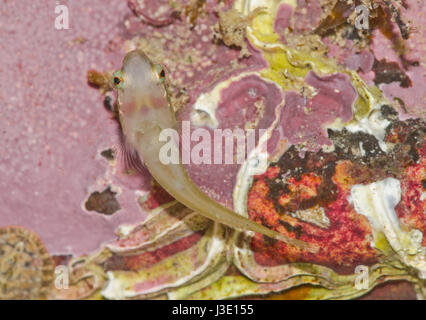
column 144, row 111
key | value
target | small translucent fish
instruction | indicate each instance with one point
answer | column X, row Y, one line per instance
column 144, row 111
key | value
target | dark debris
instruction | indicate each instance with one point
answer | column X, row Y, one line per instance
column 103, row 202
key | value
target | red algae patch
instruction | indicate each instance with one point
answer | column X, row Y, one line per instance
column 156, row 197
column 412, row 208
column 305, row 195
column 344, row 244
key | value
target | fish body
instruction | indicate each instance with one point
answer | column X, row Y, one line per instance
column 144, row 112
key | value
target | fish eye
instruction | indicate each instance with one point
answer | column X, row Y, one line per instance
column 160, row 72
column 117, row 79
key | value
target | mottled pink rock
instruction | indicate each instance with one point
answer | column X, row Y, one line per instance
column 362, row 61
column 349, row 56
column 53, row 124
column 307, row 15
column 304, row 120
column 283, row 20
column 155, row 12
column 414, row 97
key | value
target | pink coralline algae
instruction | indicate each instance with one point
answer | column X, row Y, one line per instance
column 304, row 120
column 54, row 126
